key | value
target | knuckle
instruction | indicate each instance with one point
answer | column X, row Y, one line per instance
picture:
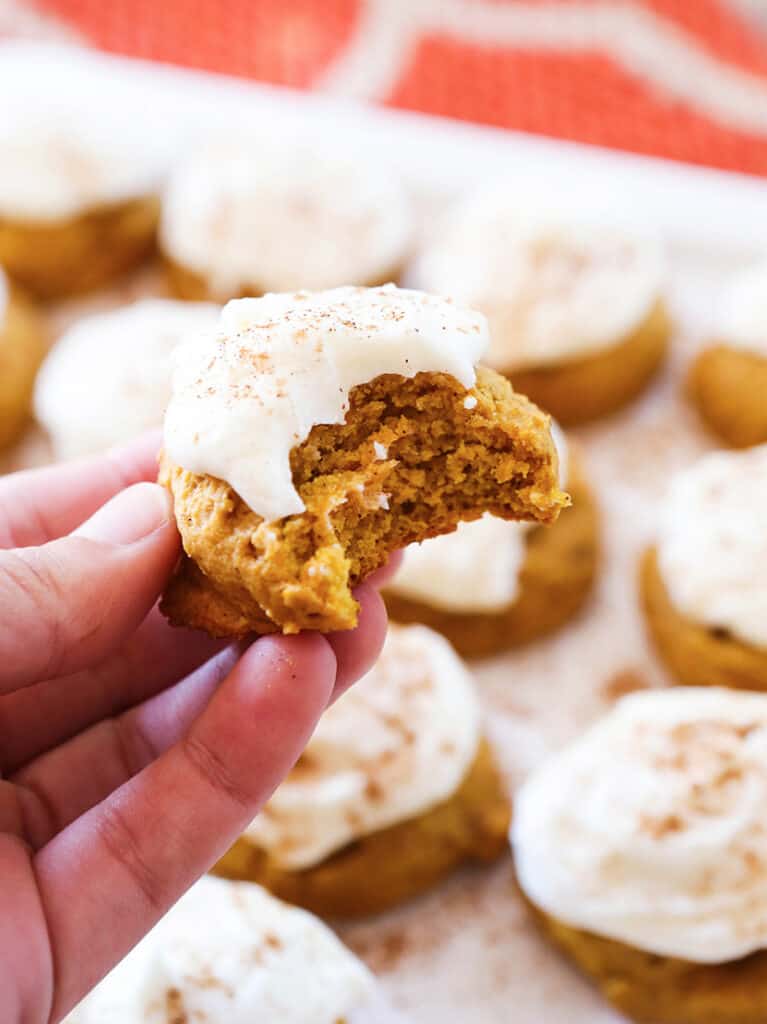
column 123, row 845
column 32, row 589
column 208, row 764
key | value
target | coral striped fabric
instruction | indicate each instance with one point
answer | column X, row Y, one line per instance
column 685, row 79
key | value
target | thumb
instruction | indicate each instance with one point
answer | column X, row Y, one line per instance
column 65, row 605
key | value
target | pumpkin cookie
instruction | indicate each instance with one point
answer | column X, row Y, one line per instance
column 228, row 951
column 244, row 220
column 396, row 788
column 78, row 199
column 577, row 315
column 108, row 377
column 316, row 433
column 22, row 347
column 704, row 584
column 728, row 380
column 643, row 851
column 492, row 585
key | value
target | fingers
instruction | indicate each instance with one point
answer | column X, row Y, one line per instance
column 40, row 505
column 357, row 649
column 386, row 573
column 67, row 604
column 65, row 782
column 129, row 858
column 154, row 657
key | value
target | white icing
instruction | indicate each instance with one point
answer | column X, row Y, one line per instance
column 279, row 219
column 742, row 319
column 108, row 377
column 234, row 955
column 397, row 744
column 552, row 286
column 244, row 397
column 712, row 543
column 477, row 567
column 56, row 163
column 650, row 828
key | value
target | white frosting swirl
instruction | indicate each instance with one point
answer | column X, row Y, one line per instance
column 742, row 318
column 712, row 543
column 229, row 953
column 650, row 829
column 397, row 744
column 58, row 163
column 477, row 567
column 244, row 397
column 108, row 377
column 554, row 288
column 279, row 219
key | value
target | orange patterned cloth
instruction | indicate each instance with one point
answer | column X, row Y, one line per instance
column 685, row 79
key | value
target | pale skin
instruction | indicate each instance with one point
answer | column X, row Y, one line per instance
column 131, row 754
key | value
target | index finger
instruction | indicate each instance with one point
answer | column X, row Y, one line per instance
column 39, row 505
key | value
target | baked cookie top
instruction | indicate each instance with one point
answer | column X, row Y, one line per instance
column 247, row 393
column 58, row 162
column 476, row 568
column 228, row 951
column 742, row 316
column 276, row 218
column 650, row 828
column 712, row 543
column 108, row 377
column 397, row 744
column 554, row 287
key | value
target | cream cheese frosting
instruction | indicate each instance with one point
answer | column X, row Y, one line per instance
column 742, row 318
column 229, row 953
column 282, row 218
column 476, row 568
column 650, row 828
column 246, row 394
column 56, row 164
column 553, row 287
column 712, row 543
column 397, row 744
column 108, row 377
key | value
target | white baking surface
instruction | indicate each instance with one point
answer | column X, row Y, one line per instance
column 466, row 953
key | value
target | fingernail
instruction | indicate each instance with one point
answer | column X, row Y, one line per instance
column 129, row 516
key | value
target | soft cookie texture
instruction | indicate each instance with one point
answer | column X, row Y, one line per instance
column 22, row 347
column 555, row 579
column 316, row 433
column 444, row 463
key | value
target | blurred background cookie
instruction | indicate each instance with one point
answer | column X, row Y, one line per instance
column 108, row 378
column 728, row 380
column 704, row 582
column 492, row 585
column 641, row 849
column 247, row 219
column 227, row 952
column 577, row 314
column 22, row 347
column 397, row 787
column 79, row 196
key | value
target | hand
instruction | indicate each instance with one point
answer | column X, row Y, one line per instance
column 131, row 754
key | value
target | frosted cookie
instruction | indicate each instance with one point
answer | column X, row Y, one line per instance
column 643, row 850
column 396, row 788
column 242, row 220
column 577, row 315
column 492, row 585
column 314, row 433
column 78, row 198
column 229, row 952
column 108, row 377
column 22, row 347
column 704, row 583
column 728, row 380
